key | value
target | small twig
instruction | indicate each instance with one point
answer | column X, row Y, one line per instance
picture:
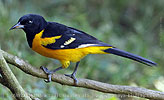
column 84, row 83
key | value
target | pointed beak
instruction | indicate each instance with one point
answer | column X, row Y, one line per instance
column 17, row 26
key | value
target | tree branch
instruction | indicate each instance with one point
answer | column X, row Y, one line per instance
column 10, row 81
column 84, row 83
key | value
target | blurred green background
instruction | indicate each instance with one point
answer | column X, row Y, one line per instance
column 136, row 26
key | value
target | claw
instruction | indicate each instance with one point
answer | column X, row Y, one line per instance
column 73, row 77
column 49, row 73
column 49, row 78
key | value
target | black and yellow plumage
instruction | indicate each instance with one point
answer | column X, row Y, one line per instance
column 65, row 44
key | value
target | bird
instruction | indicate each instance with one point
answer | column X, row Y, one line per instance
column 66, row 44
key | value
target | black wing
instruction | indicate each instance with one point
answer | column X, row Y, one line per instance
column 79, row 38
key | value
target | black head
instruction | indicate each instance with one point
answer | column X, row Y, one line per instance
column 31, row 24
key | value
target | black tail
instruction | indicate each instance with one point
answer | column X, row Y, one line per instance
column 122, row 53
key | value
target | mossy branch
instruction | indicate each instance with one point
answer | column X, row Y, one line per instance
column 84, row 83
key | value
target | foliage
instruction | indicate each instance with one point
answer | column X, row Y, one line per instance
column 135, row 26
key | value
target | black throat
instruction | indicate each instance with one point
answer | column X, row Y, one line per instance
column 30, row 39
column 30, row 34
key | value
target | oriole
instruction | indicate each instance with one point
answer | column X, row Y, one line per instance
column 65, row 43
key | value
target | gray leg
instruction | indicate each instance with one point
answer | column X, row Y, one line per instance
column 74, row 73
column 49, row 72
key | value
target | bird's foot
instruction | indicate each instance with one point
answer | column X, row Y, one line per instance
column 73, row 77
column 48, row 72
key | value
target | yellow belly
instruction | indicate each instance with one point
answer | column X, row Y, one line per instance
column 73, row 55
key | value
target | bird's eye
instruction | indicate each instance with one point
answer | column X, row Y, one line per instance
column 30, row 21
